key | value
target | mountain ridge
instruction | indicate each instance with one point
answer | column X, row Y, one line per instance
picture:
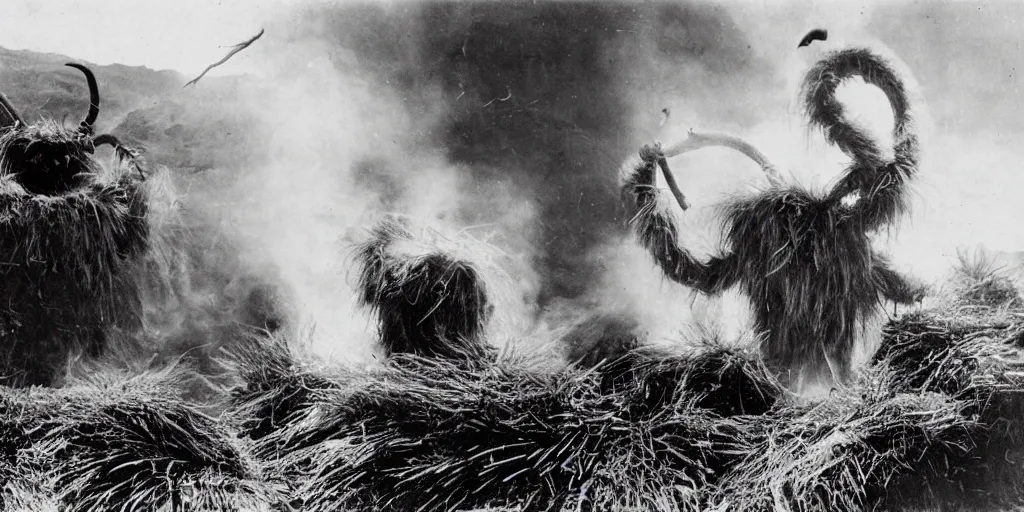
column 193, row 129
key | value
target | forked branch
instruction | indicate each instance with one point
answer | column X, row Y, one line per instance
column 698, row 140
column 234, row 49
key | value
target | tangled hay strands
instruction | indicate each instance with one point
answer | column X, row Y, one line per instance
column 429, row 298
column 842, row 453
column 976, row 358
column 946, row 351
column 726, row 381
column 429, row 434
column 979, row 281
column 277, row 388
column 66, row 263
column 132, row 444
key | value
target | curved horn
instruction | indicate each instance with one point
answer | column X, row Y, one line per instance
column 8, row 114
column 106, row 138
column 94, row 94
column 122, row 151
column 818, row 34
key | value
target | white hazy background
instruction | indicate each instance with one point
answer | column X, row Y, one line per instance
column 966, row 56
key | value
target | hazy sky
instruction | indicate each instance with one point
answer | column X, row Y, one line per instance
column 966, row 55
column 184, row 35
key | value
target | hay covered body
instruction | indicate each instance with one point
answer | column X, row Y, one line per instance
column 65, row 276
column 804, row 260
column 816, row 277
column 70, row 229
column 428, row 300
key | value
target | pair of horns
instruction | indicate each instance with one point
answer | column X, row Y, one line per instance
column 9, row 116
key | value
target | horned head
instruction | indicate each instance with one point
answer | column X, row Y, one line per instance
column 47, row 157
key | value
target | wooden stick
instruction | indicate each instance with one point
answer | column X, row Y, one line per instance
column 670, row 179
column 234, row 49
column 697, row 140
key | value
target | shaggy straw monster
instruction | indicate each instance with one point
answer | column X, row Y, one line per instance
column 804, row 259
column 69, row 229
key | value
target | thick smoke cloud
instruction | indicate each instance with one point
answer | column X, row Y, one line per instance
column 510, row 121
column 543, row 99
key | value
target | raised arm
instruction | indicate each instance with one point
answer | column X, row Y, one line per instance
column 880, row 183
column 657, row 232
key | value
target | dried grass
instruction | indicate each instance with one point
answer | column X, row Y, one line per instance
column 66, row 263
column 428, row 300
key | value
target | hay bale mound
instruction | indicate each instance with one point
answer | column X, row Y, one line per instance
column 66, row 277
column 945, row 351
column 431, row 434
column 145, row 452
column 726, row 381
column 973, row 356
column 979, row 281
column 843, row 453
column 276, row 389
column 132, row 444
column 984, row 474
column 732, row 381
column 729, row 381
column 604, row 336
column 970, row 358
column 428, row 301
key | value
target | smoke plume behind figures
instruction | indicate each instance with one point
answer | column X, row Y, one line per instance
column 510, row 121
column 519, row 116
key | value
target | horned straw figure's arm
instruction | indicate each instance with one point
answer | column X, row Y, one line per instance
column 881, row 184
column 657, row 232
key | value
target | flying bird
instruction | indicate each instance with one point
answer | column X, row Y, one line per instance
column 818, row 34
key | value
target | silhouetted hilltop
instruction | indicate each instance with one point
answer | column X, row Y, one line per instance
column 190, row 129
column 38, row 84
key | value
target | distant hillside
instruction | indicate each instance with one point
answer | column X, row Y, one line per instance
column 192, row 129
column 197, row 129
column 38, row 84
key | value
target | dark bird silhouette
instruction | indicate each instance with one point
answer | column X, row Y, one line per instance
column 818, row 34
